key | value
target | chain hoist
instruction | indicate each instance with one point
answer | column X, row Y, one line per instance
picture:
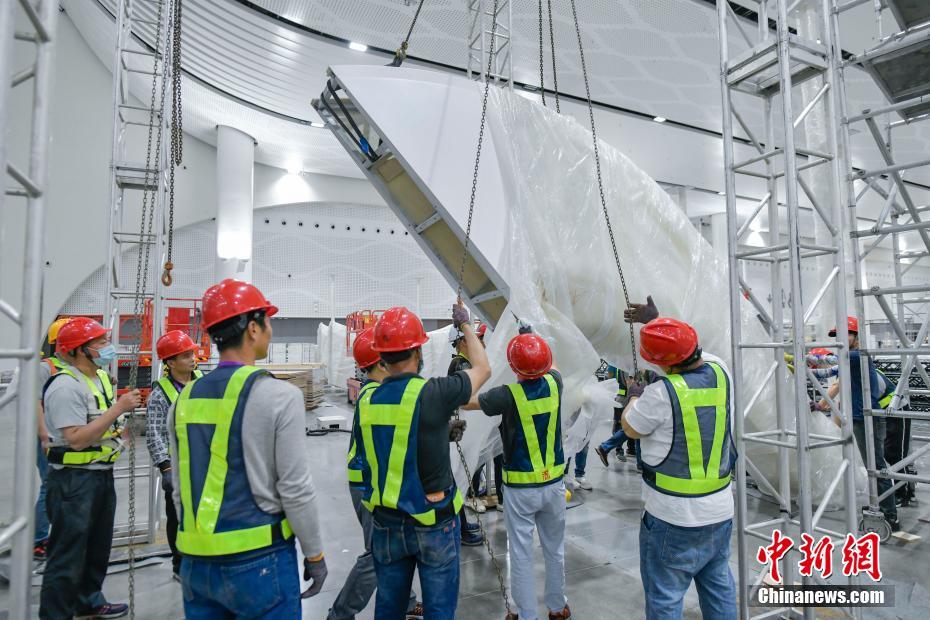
column 401, row 54
column 177, row 135
column 600, row 184
column 555, row 74
column 542, row 64
column 471, row 210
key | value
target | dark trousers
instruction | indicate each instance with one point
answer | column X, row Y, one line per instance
column 81, row 504
column 897, row 447
column 878, row 429
column 171, row 531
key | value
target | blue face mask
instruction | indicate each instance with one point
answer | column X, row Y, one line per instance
column 105, row 355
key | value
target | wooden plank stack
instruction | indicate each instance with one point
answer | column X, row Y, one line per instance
column 308, row 378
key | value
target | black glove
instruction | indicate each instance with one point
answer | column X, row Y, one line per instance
column 166, row 485
column 641, row 313
column 459, row 315
column 456, row 429
column 634, row 390
column 315, row 573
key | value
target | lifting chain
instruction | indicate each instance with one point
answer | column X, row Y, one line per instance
column 600, row 184
column 401, row 54
column 555, row 74
column 471, row 210
column 149, row 198
column 177, row 134
column 542, row 64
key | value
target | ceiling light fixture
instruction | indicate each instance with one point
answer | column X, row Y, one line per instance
column 316, row 124
column 358, row 47
column 293, row 168
column 721, row 193
column 659, row 119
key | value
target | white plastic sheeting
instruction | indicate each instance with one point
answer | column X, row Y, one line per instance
column 563, row 279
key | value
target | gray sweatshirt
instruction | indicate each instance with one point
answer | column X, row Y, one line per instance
column 276, row 460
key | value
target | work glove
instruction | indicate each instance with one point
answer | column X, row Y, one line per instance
column 456, row 430
column 459, row 315
column 315, row 573
column 634, row 390
column 641, row 313
column 166, row 485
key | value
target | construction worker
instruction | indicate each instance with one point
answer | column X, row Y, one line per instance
column 176, row 350
column 879, row 429
column 405, row 426
column 534, row 464
column 50, row 366
column 84, row 442
column 241, row 475
column 471, row 532
column 683, row 424
column 362, row 581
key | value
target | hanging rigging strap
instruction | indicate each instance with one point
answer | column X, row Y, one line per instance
column 471, row 210
column 401, row 54
column 600, row 183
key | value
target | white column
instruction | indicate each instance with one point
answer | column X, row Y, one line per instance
column 718, row 235
column 235, row 165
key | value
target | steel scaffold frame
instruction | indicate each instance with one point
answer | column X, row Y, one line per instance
column 904, row 215
column 479, row 33
column 31, row 185
column 775, row 65
column 127, row 178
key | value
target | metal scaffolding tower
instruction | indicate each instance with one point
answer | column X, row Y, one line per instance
column 29, row 183
column 140, row 130
column 771, row 72
column 897, row 63
column 480, row 20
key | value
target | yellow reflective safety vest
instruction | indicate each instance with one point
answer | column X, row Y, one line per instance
column 55, row 365
column 389, row 418
column 219, row 515
column 167, row 386
column 107, row 450
column 355, row 459
column 885, row 400
column 536, row 458
column 701, row 417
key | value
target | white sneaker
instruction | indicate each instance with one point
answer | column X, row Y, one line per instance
column 477, row 505
column 583, row 483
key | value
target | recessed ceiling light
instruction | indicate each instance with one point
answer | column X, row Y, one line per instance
column 315, row 124
column 358, row 47
column 721, row 193
column 660, row 119
column 293, row 168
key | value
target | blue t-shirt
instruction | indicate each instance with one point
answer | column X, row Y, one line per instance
column 856, row 385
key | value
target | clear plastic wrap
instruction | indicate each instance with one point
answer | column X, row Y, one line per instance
column 563, row 279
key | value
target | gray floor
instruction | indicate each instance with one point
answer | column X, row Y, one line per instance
column 602, row 561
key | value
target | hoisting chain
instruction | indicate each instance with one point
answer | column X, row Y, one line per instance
column 177, row 135
column 600, row 184
column 555, row 75
column 471, row 210
column 542, row 64
column 149, row 198
column 401, row 54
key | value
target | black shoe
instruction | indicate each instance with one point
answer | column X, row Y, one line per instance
column 471, row 539
column 895, row 525
column 110, row 610
column 416, row 613
column 603, row 455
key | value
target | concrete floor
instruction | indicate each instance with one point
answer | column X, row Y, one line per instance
column 602, row 560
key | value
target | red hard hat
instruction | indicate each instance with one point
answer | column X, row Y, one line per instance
column 398, row 329
column 482, row 330
column 79, row 330
column 529, row 356
column 820, row 351
column 174, row 343
column 852, row 325
column 231, row 298
column 362, row 350
column 666, row 342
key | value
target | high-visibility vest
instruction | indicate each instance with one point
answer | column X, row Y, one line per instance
column 536, row 458
column 885, row 400
column 355, row 460
column 55, row 365
column 389, row 419
column 167, row 386
column 107, row 449
column 223, row 519
column 701, row 415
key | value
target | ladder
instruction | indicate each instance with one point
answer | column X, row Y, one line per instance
column 25, row 182
column 781, row 62
column 138, row 178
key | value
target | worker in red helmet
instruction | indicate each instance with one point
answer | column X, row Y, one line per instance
column 405, row 426
column 362, row 581
column 533, row 468
column 683, row 423
column 241, row 473
column 81, row 416
column 878, row 391
column 176, row 350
